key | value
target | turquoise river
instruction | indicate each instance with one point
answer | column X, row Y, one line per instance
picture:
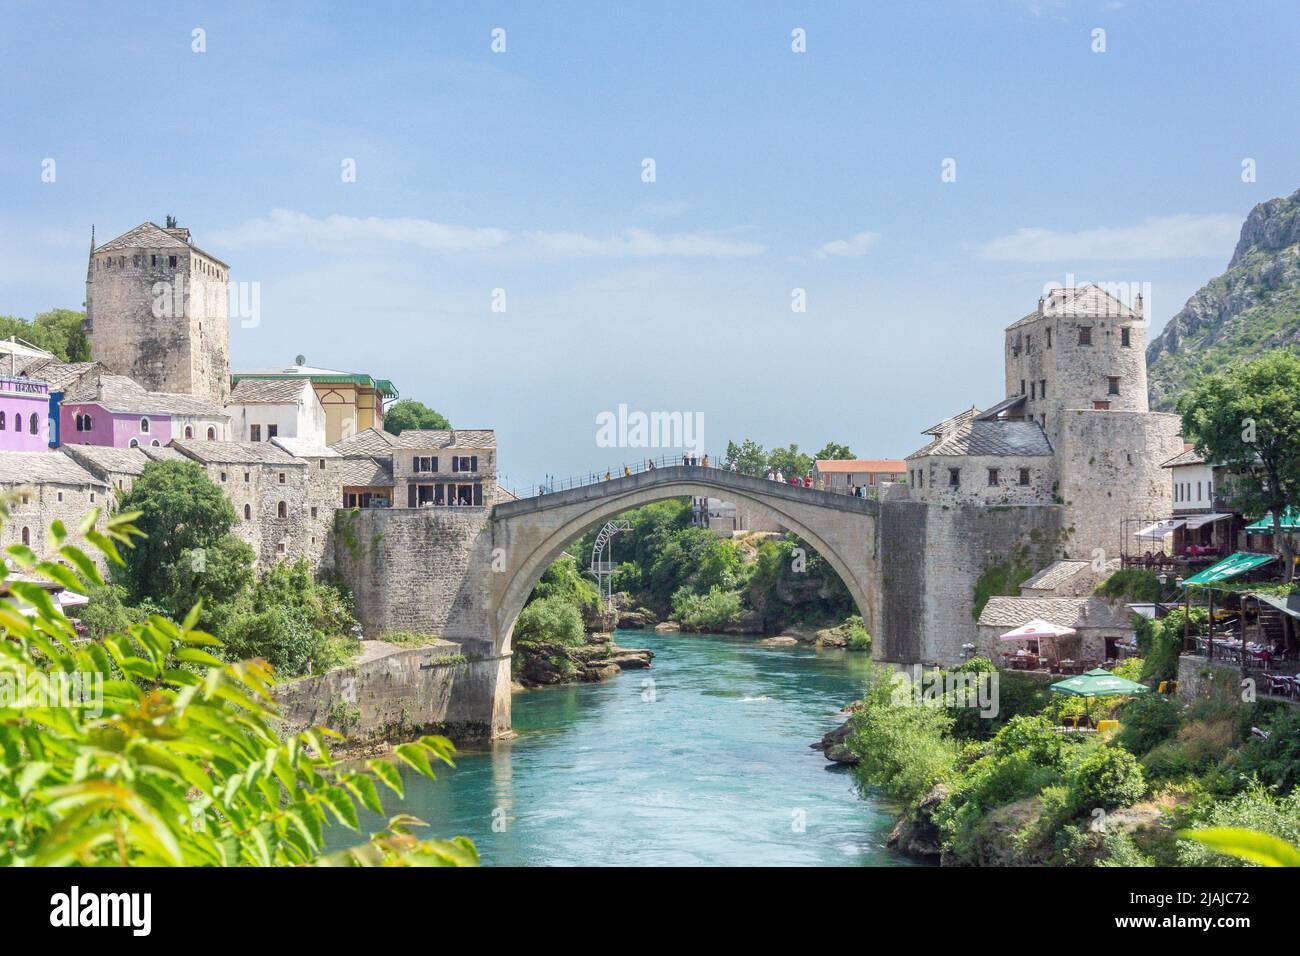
column 703, row 759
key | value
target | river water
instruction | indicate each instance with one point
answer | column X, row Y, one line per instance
column 703, row 759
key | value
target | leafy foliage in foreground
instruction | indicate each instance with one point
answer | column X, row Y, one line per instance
column 163, row 754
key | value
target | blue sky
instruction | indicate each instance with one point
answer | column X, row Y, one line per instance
column 774, row 170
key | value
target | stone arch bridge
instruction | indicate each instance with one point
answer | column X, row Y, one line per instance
column 465, row 573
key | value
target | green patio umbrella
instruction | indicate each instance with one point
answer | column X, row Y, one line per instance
column 1098, row 683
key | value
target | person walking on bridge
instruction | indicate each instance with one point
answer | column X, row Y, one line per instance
column 607, row 475
column 704, row 463
column 627, row 472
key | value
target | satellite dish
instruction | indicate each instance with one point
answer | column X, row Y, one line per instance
column 300, row 360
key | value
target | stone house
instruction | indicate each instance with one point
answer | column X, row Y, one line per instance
column 157, row 311
column 46, row 485
column 1068, row 579
column 118, row 468
column 366, row 471
column 1099, row 623
column 980, row 460
column 444, row 468
column 281, row 510
column 114, row 410
column 263, row 409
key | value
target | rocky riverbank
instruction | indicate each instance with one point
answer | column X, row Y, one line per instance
column 544, row 663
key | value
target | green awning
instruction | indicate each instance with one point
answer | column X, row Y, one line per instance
column 1229, row 567
column 1290, row 522
column 1098, row 683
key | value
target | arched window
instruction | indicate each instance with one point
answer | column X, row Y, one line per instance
column 155, row 443
column 133, row 443
column 212, row 434
column 189, row 431
column 248, row 512
column 27, row 536
column 90, row 422
column 144, row 426
column 281, row 509
column 2, row 422
column 33, row 424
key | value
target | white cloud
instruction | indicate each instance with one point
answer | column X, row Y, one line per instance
column 852, row 247
column 286, row 227
column 1163, row 237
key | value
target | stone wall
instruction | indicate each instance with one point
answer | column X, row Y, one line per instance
column 931, row 557
column 1109, row 465
column 35, row 506
column 973, row 477
column 447, row 688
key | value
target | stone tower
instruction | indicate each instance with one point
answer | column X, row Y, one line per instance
column 156, row 310
column 1079, row 361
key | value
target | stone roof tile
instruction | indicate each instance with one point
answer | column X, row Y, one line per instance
column 235, row 452
column 267, row 391
column 38, row 467
column 455, row 438
column 366, row 443
column 1078, row 613
column 995, row 438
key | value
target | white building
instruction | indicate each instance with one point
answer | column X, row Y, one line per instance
column 262, row 409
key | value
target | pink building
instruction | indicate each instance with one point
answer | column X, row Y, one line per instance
column 24, row 414
column 115, row 410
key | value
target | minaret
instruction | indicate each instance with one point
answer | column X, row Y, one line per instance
column 88, row 323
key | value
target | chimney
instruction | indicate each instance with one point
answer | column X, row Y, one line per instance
column 180, row 232
column 1139, row 305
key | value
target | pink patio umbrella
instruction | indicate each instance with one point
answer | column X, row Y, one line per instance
column 1036, row 630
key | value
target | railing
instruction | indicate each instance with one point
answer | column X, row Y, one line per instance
column 627, row 470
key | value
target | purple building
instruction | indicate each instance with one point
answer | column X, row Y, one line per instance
column 24, row 414
column 114, row 410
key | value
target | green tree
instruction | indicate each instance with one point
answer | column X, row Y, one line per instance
column 408, row 413
column 749, row 457
column 1247, row 419
column 188, row 551
column 58, row 331
column 162, row 754
column 790, row 461
column 833, row 451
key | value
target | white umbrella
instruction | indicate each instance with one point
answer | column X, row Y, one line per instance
column 1037, row 629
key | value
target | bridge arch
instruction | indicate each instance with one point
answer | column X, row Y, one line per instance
column 533, row 532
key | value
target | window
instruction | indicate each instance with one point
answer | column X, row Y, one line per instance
column 254, row 432
column 272, row 431
column 246, row 478
column 1029, row 341
column 281, row 477
column 1124, row 339
column 2, row 422
column 993, row 477
column 279, row 548
column 954, row 477
column 1042, row 388
column 1022, row 386
column 1033, row 390
column 223, row 476
column 155, row 443
column 34, row 424
column 212, row 434
column 1049, row 338
column 1024, row 476
column 1198, row 491
column 27, row 536
column 464, row 463
column 90, row 422
column 1113, row 385
column 281, row 510
column 144, row 426
column 189, row 431
column 133, row 443
column 92, row 497
column 171, row 262
column 153, row 260
column 322, row 464
column 60, row 496
column 313, row 512
column 1100, row 406
column 1085, row 335
column 248, row 512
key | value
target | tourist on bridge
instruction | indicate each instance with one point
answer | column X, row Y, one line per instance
column 607, row 476
column 705, row 462
column 733, row 467
column 649, row 464
column 627, row 472
column 807, row 480
column 780, row 477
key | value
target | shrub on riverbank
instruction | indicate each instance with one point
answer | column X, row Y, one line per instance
column 713, row 611
column 552, row 619
column 902, row 751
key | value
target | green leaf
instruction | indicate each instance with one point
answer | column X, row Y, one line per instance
column 366, row 792
column 83, row 564
column 1262, row 848
column 23, row 555
column 388, row 774
column 416, row 757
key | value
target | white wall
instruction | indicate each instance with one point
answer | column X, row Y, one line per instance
column 303, row 419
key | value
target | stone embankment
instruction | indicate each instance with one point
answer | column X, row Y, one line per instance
column 544, row 663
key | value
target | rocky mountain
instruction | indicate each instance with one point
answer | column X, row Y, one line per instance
column 1253, row 307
